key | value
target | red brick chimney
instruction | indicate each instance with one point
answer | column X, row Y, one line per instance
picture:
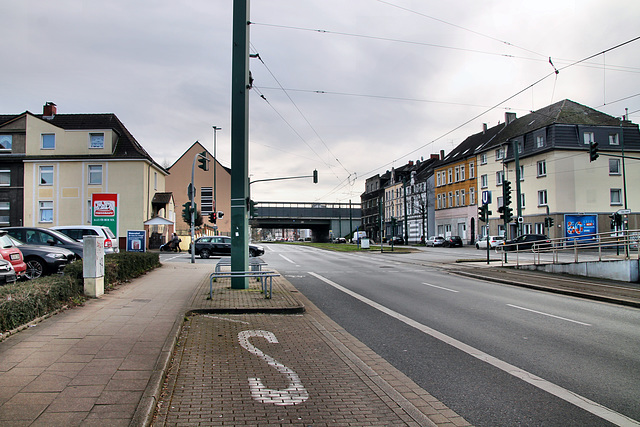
column 49, row 110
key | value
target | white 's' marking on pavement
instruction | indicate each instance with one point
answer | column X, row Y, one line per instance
column 288, row 259
column 292, row 395
column 547, row 314
column 564, row 394
column 440, row 287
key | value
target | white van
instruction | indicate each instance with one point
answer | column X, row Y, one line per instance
column 78, row 231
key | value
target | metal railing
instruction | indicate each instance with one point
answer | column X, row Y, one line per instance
column 624, row 242
column 256, row 272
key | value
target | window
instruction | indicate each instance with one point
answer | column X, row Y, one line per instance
column 520, row 147
column 484, row 181
column 521, row 172
column 450, row 175
column 542, row 168
column 439, row 202
column 450, row 199
column 472, row 170
column 5, row 178
column 539, row 141
column 46, row 211
column 463, row 199
column 522, row 200
column 616, row 198
column 206, row 200
column 155, row 180
column 500, row 201
column 472, row 196
column 462, row 178
column 95, row 174
column 540, row 228
column 5, row 208
column 499, row 177
column 483, row 159
column 457, row 173
column 542, row 198
column 46, row 175
column 527, row 228
column 499, row 154
column 613, row 139
column 437, row 179
column 614, row 167
column 6, row 142
column 48, row 141
column 96, row 140
column 457, row 197
column 588, row 137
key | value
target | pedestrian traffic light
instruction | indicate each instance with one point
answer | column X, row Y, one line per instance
column 203, row 160
column 253, row 211
column 186, row 212
column 593, row 151
column 506, row 193
column 212, row 217
column 315, row 176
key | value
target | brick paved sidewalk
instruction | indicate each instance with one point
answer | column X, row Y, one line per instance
column 255, row 369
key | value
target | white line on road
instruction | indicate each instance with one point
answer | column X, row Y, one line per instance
column 547, row 314
column 440, row 287
column 289, row 260
column 564, row 394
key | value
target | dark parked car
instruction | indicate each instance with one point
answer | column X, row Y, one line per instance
column 220, row 245
column 43, row 260
column 7, row 273
column 526, row 241
column 396, row 240
column 452, row 242
column 45, row 236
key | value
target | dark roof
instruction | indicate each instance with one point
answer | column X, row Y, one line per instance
column 126, row 147
column 468, row 147
column 161, row 198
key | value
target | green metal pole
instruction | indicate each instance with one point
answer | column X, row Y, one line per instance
column 240, row 143
column 516, row 156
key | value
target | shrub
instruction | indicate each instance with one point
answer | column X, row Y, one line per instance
column 23, row 302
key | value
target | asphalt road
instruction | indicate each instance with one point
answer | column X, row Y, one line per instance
column 496, row 354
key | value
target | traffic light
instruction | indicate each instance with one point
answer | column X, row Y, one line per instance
column 253, row 211
column 191, row 191
column 593, row 151
column 508, row 214
column 186, row 212
column 220, row 214
column 548, row 222
column 212, row 217
column 506, row 193
column 315, row 176
column 482, row 213
column 203, row 160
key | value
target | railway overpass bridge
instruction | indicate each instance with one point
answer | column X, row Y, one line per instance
column 325, row 220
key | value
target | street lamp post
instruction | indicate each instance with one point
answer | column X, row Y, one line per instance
column 215, row 200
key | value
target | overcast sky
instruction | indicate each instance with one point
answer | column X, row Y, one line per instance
column 382, row 83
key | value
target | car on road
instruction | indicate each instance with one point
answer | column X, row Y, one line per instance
column 493, row 242
column 396, row 240
column 10, row 252
column 46, row 236
column 7, row 273
column 435, row 241
column 220, row 245
column 452, row 242
column 43, row 260
column 77, row 232
column 526, row 241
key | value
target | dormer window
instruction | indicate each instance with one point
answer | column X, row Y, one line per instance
column 6, row 142
column 96, row 140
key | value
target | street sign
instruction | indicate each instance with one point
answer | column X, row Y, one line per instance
column 624, row 211
column 486, row 197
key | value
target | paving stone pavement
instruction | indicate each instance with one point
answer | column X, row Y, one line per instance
column 276, row 365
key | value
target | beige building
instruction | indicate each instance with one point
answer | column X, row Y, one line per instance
column 180, row 178
column 66, row 158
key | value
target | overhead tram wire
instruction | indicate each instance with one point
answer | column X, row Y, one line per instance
column 502, row 102
column 302, row 114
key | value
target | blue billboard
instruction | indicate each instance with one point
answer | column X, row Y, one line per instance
column 136, row 240
column 580, row 227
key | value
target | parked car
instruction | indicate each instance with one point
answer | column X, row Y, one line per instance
column 493, row 242
column 526, row 241
column 452, row 242
column 340, row 240
column 43, row 260
column 396, row 240
column 11, row 253
column 7, row 273
column 220, row 245
column 45, row 236
column 435, row 241
column 77, row 232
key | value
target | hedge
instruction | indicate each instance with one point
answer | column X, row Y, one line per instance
column 22, row 302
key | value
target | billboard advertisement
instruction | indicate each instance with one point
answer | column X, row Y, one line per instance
column 580, row 227
column 136, row 240
column 104, row 210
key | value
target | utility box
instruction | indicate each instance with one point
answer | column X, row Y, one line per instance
column 364, row 243
column 93, row 266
